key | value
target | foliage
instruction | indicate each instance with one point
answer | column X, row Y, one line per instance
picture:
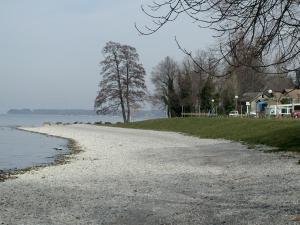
column 228, row 100
column 185, row 91
column 206, row 96
column 285, row 101
column 181, row 86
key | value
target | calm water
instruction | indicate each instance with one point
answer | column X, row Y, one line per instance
column 20, row 149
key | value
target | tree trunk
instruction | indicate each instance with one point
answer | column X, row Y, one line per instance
column 127, row 93
column 120, row 90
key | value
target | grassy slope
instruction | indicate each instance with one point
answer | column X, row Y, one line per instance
column 284, row 134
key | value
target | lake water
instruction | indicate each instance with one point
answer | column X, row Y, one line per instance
column 20, row 149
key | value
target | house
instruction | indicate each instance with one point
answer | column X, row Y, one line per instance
column 284, row 103
column 291, row 95
column 270, row 102
column 252, row 98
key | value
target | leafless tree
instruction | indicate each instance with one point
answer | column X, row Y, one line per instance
column 193, row 79
column 123, row 81
column 164, row 76
column 134, row 79
column 272, row 26
column 248, row 79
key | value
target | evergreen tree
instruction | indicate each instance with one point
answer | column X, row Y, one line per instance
column 164, row 76
column 185, row 92
column 206, row 95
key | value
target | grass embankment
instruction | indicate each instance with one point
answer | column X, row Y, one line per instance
column 283, row 134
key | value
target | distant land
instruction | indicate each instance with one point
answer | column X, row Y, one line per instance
column 141, row 113
column 52, row 111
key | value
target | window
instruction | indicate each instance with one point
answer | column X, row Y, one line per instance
column 297, row 108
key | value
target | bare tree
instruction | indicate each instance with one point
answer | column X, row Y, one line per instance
column 164, row 76
column 197, row 82
column 273, row 26
column 123, row 81
column 187, row 94
column 248, row 79
column 135, row 88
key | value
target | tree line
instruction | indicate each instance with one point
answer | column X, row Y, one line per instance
column 181, row 86
column 258, row 47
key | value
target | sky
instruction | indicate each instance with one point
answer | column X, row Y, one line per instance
column 50, row 49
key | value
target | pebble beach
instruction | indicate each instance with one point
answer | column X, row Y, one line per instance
column 127, row 176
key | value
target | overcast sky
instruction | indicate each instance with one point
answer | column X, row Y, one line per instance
column 50, row 49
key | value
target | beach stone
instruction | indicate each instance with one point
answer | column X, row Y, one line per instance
column 149, row 177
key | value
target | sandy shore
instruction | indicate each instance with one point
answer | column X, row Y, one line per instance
column 145, row 177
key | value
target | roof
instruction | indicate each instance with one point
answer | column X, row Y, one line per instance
column 278, row 82
column 288, row 92
column 250, row 96
column 292, row 93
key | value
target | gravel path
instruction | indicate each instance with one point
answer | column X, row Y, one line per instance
column 146, row 177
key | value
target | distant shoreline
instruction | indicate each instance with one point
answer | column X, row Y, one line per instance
column 81, row 112
column 51, row 112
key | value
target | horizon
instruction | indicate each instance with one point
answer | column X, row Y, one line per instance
column 51, row 50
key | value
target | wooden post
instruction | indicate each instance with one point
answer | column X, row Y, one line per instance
column 241, row 110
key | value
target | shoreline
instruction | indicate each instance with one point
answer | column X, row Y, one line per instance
column 59, row 159
column 74, row 148
column 128, row 176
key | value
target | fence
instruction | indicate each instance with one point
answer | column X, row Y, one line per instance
column 197, row 114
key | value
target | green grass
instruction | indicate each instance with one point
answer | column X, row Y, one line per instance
column 283, row 134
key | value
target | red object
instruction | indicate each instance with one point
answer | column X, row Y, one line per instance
column 296, row 114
